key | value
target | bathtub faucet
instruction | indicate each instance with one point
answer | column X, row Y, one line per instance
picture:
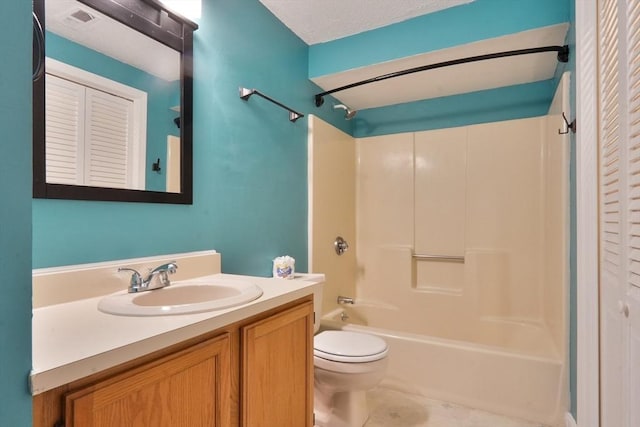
column 345, row 300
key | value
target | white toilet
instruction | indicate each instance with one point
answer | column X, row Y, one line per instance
column 347, row 364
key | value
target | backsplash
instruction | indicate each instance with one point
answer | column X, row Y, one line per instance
column 57, row 285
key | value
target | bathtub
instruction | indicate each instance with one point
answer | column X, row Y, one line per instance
column 518, row 374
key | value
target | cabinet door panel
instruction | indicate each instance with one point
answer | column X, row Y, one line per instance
column 277, row 386
column 187, row 389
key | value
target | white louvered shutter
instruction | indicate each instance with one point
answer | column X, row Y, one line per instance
column 619, row 143
column 64, row 124
column 108, row 140
column 631, row 302
column 633, row 124
column 610, row 150
column 89, row 137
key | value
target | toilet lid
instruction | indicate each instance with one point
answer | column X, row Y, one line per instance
column 349, row 347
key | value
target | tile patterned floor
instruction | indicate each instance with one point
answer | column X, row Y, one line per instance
column 389, row 408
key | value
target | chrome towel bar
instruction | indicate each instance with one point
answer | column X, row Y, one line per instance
column 447, row 258
column 245, row 94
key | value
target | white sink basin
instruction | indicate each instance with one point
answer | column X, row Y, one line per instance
column 182, row 298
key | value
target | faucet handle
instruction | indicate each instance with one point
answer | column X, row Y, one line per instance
column 136, row 279
column 169, row 267
column 160, row 275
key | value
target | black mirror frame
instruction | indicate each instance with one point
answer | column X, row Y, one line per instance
column 152, row 19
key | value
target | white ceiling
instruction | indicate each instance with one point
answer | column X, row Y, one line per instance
column 318, row 21
column 452, row 80
column 111, row 38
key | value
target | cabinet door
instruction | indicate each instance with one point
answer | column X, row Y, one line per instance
column 190, row 388
column 277, row 383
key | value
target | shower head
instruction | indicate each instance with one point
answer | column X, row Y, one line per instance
column 348, row 112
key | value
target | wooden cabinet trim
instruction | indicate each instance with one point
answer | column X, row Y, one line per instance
column 266, row 326
column 103, row 393
column 252, row 336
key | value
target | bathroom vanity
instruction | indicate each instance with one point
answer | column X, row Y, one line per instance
column 249, row 365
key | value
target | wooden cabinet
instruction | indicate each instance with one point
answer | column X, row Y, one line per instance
column 189, row 388
column 277, row 369
column 253, row 373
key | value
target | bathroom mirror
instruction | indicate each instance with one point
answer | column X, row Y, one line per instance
column 113, row 109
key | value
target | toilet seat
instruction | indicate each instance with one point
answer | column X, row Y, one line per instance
column 349, row 347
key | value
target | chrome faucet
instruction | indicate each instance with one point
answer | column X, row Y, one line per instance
column 157, row 278
column 345, row 300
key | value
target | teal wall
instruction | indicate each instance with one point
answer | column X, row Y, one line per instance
column 161, row 96
column 250, row 191
column 508, row 103
column 15, row 213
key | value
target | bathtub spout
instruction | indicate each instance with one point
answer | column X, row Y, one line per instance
column 345, row 300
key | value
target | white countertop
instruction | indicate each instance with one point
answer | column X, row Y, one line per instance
column 75, row 339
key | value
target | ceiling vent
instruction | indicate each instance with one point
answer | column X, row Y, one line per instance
column 78, row 18
column 82, row 16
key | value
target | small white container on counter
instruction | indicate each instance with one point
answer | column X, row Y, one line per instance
column 284, row 267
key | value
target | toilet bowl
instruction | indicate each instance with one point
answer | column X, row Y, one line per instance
column 346, row 365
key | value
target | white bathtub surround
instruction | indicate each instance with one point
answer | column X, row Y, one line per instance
column 391, row 408
column 332, row 203
column 501, row 221
column 72, row 339
column 462, row 258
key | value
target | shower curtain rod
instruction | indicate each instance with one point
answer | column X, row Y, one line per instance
column 563, row 56
column 245, row 94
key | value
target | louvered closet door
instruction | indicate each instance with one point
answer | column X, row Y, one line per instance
column 619, row 146
column 64, row 123
column 611, row 216
column 631, row 303
column 108, row 140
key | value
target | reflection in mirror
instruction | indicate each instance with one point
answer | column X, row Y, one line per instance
column 112, row 95
column 112, row 119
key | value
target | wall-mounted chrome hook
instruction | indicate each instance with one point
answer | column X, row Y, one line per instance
column 340, row 245
column 569, row 126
